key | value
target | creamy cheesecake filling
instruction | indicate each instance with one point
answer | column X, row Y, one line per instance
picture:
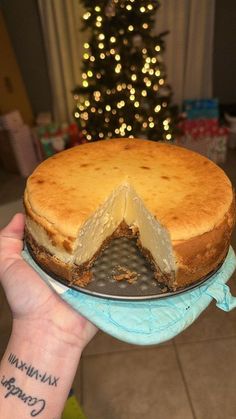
column 100, row 226
column 125, row 205
column 153, row 236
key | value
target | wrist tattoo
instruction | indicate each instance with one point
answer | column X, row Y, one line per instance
column 32, row 372
column 13, row 390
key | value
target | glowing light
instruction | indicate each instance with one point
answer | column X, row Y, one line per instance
column 129, row 128
column 118, row 68
column 151, row 125
column 77, row 114
column 85, row 116
column 168, row 136
column 101, row 135
column 108, row 108
column 154, row 60
column 100, row 45
column 157, row 73
column 120, row 104
column 132, row 91
column 157, row 108
column 86, row 16
column 142, row 9
column 112, row 51
column 97, row 9
column 133, row 77
column 92, row 58
column 85, row 83
column 129, row 7
column 86, row 56
column 150, row 7
column 130, row 28
column 87, row 103
column 97, row 95
column 132, row 97
column 145, row 26
column 101, row 36
column 102, row 56
column 112, row 39
column 117, row 57
column 86, row 45
column 157, row 48
column 90, row 73
column 84, row 76
column 136, row 104
column 144, row 93
column 161, row 81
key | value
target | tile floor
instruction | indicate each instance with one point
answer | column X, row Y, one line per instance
column 190, row 377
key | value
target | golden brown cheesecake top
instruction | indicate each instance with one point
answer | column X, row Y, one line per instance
column 186, row 192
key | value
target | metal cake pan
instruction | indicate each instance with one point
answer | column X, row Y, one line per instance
column 120, row 256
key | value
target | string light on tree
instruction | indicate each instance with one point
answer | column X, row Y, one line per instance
column 124, row 90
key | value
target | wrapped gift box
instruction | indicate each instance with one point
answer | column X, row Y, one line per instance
column 201, row 108
column 206, row 137
column 11, row 121
column 24, row 151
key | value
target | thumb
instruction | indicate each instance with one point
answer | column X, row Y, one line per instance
column 11, row 241
column 15, row 228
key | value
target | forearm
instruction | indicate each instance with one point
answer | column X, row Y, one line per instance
column 36, row 374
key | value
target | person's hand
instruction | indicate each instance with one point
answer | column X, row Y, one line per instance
column 36, row 308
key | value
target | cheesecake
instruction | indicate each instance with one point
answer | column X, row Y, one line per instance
column 176, row 203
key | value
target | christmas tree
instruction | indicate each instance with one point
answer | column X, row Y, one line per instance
column 124, row 92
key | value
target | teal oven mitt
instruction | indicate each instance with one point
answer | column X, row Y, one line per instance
column 151, row 321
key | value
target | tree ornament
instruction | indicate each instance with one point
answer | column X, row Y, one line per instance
column 137, row 41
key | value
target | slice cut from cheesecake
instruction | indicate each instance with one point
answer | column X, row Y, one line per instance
column 124, row 214
column 178, row 204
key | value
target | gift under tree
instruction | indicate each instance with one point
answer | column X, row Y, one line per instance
column 124, row 92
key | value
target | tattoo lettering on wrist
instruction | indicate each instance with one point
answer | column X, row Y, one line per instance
column 16, row 391
column 32, row 372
